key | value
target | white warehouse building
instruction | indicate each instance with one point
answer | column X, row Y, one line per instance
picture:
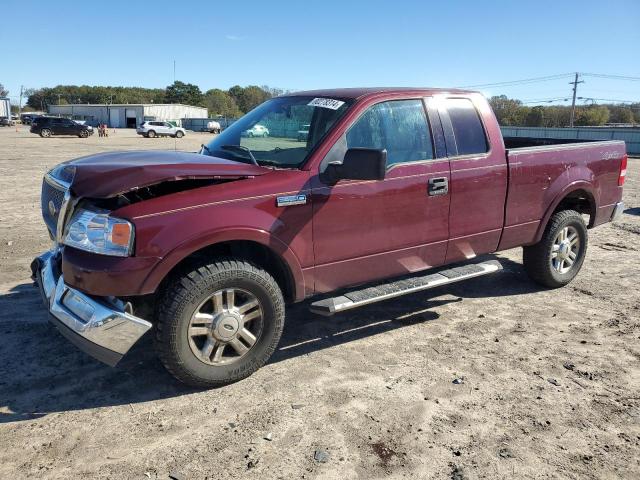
column 127, row 115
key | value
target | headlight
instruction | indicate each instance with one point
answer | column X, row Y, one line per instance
column 97, row 232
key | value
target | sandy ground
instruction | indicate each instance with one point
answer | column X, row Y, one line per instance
column 366, row 394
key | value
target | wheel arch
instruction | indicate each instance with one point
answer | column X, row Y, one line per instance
column 576, row 196
column 261, row 248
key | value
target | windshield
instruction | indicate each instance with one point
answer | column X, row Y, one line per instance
column 269, row 134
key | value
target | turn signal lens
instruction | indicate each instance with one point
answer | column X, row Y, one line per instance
column 121, row 234
column 623, row 171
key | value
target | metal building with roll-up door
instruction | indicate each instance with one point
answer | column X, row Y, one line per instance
column 127, row 115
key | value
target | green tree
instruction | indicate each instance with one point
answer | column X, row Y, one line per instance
column 247, row 98
column 535, row 117
column 3, row 91
column 508, row 111
column 219, row 102
column 185, row 93
column 592, row 116
column 621, row 114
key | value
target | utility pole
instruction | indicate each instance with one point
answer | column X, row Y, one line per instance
column 573, row 102
column 20, row 102
column 174, row 71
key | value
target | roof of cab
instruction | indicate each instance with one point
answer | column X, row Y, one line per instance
column 357, row 93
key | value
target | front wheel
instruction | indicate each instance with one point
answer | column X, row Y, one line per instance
column 45, row 133
column 179, row 134
column 557, row 258
column 84, row 134
column 219, row 323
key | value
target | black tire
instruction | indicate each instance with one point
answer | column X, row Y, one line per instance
column 179, row 134
column 151, row 134
column 537, row 259
column 186, row 293
column 84, row 134
column 45, row 133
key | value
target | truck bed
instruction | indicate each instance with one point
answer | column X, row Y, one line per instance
column 543, row 171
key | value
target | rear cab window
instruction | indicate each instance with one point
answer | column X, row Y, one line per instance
column 468, row 136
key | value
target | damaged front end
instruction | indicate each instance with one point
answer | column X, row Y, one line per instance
column 77, row 200
column 99, row 326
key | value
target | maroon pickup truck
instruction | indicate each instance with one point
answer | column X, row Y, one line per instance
column 207, row 248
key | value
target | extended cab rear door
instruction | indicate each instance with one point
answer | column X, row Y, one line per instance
column 478, row 184
column 365, row 230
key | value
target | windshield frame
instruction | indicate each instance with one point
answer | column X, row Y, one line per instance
column 254, row 117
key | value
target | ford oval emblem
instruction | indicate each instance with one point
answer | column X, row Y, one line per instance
column 52, row 208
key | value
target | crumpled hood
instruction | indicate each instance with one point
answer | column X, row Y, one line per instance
column 109, row 174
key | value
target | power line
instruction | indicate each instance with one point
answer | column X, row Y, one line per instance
column 520, row 82
column 614, row 77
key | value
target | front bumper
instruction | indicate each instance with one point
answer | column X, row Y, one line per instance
column 99, row 326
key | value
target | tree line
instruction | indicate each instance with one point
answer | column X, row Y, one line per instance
column 512, row 112
column 231, row 103
column 237, row 100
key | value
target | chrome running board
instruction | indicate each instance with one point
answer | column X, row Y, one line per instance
column 386, row 291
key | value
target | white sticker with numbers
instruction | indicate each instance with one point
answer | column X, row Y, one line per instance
column 326, row 103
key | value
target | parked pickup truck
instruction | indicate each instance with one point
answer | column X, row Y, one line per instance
column 206, row 249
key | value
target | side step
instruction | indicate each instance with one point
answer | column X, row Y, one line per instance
column 385, row 291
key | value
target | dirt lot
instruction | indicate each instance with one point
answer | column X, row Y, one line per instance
column 366, row 394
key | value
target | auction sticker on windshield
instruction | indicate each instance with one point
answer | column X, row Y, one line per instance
column 326, row 103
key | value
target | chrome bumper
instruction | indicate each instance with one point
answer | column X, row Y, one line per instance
column 97, row 325
column 617, row 211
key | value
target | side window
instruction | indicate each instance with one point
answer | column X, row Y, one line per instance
column 467, row 127
column 400, row 126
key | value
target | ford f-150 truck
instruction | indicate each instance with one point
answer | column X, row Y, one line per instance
column 205, row 249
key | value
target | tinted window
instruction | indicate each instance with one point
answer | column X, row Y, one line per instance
column 467, row 127
column 399, row 126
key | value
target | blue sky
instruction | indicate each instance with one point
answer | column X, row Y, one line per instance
column 301, row 45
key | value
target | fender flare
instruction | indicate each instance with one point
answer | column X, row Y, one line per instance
column 568, row 189
column 192, row 245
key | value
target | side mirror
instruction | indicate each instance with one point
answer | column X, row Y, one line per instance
column 358, row 164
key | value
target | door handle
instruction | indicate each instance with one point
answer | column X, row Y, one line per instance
column 438, row 186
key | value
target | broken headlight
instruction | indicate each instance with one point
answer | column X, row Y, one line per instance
column 97, row 232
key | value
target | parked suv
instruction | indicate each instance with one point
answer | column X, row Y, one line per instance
column 47, row 126
column 160, row 129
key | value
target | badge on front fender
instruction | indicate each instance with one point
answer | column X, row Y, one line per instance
column 289, row 200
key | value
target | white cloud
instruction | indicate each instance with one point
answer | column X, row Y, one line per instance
column 234, row 38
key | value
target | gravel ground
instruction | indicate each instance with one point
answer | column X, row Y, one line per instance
column 493, row 378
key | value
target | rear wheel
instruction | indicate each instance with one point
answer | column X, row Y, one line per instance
column 151, row 134
column 45, row 133
column 557, row 258
column 219, row 323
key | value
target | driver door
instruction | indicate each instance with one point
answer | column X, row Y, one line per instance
column 366, row 230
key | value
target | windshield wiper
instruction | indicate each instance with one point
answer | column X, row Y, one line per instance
column 204, row 147
column 243, row 149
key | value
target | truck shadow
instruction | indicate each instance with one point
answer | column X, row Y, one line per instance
column 42, row 373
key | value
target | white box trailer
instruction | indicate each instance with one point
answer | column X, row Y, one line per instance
column 5, row 107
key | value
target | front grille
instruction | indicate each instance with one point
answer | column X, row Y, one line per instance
column 54, row 197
